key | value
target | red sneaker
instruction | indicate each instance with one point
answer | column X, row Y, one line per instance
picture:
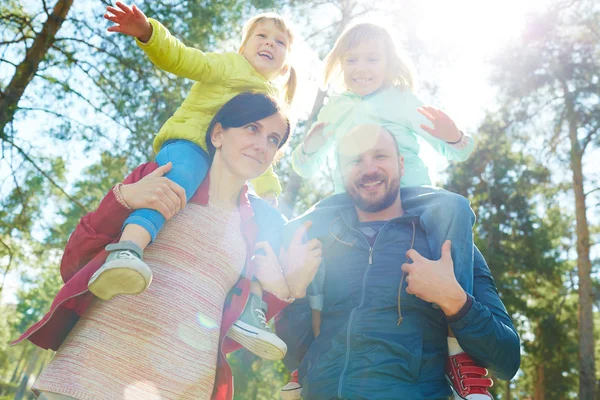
column 466, row 379
column 292, row 390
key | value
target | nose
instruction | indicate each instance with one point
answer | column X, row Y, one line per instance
column 369, row 167
column 269, row 42
column 260, row 144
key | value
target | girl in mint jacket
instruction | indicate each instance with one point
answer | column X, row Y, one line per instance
column 379, row 93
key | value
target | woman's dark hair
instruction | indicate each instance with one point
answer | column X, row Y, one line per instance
column 243, row 109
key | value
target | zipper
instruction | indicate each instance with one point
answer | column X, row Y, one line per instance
column 362, row 301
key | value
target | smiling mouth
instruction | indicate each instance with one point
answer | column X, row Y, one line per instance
column 362, row 80
column 266, row 54
column 254, row 159
column 370, row 185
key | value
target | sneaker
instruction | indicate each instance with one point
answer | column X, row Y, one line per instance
column 293, row 390
column 123, row 272
column 252, row 332
column 466, row 379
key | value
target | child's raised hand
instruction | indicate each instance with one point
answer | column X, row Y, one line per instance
column 444, row 127
column 129, row 20
column 316, row 138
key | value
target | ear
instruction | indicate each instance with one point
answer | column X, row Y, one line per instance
column 401, row 164
column 284, row 70
column 216, row 136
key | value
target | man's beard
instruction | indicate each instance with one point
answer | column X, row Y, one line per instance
column 370, row 204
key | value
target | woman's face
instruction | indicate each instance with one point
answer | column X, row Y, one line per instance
column 248, row 151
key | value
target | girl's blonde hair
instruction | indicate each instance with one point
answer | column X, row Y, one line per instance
column 399, row 69
column 285, row 27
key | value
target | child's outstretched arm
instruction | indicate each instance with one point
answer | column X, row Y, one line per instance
column 130, row 21
column 166, row 51
column 444, row 136
column 309, row 156
column 455, row 144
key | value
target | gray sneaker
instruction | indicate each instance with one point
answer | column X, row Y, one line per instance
column 123, row 272
column 252, row 331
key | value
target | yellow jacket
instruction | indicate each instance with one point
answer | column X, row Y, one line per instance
column 219, row 77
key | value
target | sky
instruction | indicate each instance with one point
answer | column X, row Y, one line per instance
column 467, row 32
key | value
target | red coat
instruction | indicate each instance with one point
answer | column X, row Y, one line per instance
column 85, row 253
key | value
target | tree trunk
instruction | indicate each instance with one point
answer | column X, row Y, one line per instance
column 507, row 391
column 293, row 186
column 26, row 70
column 587, row 372
column 540, row 392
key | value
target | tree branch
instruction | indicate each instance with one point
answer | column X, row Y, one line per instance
column 27, row 69
column 10, row 257
column 41, row 171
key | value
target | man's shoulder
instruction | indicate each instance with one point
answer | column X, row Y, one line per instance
column 322, row 215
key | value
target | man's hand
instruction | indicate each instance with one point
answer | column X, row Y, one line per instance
column 130, row 21
column 301, row 261
column 434, row 281
column 444, row 127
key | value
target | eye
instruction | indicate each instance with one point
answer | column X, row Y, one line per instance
column 350, row 60
column 281, row 43
column 381, row 156
column 373, row 60
column 252, row 128
column 262, row 35
column 274, row 140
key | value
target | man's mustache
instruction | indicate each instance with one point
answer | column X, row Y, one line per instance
column 371, row 178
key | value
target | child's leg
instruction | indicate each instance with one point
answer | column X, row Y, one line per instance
column 316, row 322
column 256, row 289
column 124, row 272
column 252, row 331
column 190, row 166
column 447, row 216
column 316, row 298
column 467, row 379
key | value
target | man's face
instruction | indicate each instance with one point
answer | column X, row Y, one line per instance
column 371, row 167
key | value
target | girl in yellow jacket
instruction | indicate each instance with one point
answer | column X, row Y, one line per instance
column 262, row 57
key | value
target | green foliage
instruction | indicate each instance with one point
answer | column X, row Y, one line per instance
column 255, row 378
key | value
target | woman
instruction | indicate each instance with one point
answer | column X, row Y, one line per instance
column 169, row 342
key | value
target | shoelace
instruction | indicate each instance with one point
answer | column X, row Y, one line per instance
column 262, row 318
column 126, row 254
column 470, row 375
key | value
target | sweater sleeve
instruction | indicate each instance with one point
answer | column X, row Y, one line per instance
column 306, row 165
column 170, row 54
column 98, row 228
column 410, row 116
column 486, row 331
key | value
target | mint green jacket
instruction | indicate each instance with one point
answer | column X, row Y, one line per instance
column 395, row 110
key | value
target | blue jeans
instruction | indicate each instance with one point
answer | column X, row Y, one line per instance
column 444, row 215
column 190, row 166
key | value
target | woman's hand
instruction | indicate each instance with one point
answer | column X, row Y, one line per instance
column 156, row 192
column 316, row 138
column 130, row 21
column 444, row 127
column 301, row 261
column 268, row 271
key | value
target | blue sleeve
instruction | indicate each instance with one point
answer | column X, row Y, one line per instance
column 269, row 221
column 486, row 332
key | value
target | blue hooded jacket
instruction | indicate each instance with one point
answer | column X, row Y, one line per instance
column 362, row 352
